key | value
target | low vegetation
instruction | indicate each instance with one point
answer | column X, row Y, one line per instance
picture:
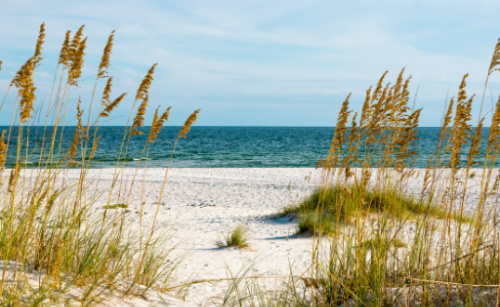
column 329, row 207
column 237, row 238
column 385, row 248
column 54, row 249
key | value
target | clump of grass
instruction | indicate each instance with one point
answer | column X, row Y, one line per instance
column 237, row 238
column 328, row 207
column 116, row 206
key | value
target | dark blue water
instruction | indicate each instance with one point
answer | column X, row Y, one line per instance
column 211, row 146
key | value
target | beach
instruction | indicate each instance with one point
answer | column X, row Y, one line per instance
column 199, row 206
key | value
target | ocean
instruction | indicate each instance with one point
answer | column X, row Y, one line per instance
column 212, row 147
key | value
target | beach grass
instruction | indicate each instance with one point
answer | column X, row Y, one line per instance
column 374, row 244
column 237, row 238
column 54, row 248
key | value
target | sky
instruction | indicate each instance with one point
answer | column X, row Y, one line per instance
column 260, row 63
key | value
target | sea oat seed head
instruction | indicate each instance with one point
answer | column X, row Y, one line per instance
column 187, row 125
column 107, row 91
column 142, row 93
column 495, row 59
column 64, row 54
column 38, row 50
column 94, row 147
column 77, row 61
column 107, row 110
column 157, row 124
column 105, row 56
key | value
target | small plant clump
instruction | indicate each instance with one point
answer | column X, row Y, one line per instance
column 237, row 238
column 331, row 206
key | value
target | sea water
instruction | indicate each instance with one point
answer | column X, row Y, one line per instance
column 205, row 146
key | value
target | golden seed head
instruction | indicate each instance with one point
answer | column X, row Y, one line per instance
column 339, row 135
column 64, row 54
column 24, row 82
column 462, row 95
column 142, row 92
column 107, row 91
column 378, row 88
column 94, row 147
column 77, row 61
column 74, row 145
column 75, row 42
column 494, row 137
column 139, row 117
column 76, row 138
column 109, row 107
column 38, row 50
column 79, row 113
column 105, row 56
column 495, row 59
column 0, row 65
column 152, row 133
column 187, row 125
column 157, row 124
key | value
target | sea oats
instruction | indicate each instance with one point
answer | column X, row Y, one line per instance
column 339, row 135
column 157, row 124
column 405, row 140
column 378, row 88
column 94, row 147
column 64, row 54
column 475, row 146
column 26, row 89
column 75, row 42
column 495, row 59
column 77, row 61
column 350, row 159
column 105, row 56
column 107, row 91
column 112, row 105
column 187, row 125
column 38, row 50
column 76, row 137
column 365, row 112
column 142, row 94
column 494, row 137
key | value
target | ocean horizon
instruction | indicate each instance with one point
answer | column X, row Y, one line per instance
column 211, row 146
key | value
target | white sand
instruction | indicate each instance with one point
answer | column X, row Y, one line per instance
column 199, row 205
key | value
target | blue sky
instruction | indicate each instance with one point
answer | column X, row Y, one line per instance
column 261, row 63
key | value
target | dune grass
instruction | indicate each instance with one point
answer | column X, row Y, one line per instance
column 54, row 248
column 328, row 207
column 385, row 247
column 237, row 238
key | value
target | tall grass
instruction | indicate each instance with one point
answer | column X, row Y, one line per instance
column 375, row 243
column 52, row 241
